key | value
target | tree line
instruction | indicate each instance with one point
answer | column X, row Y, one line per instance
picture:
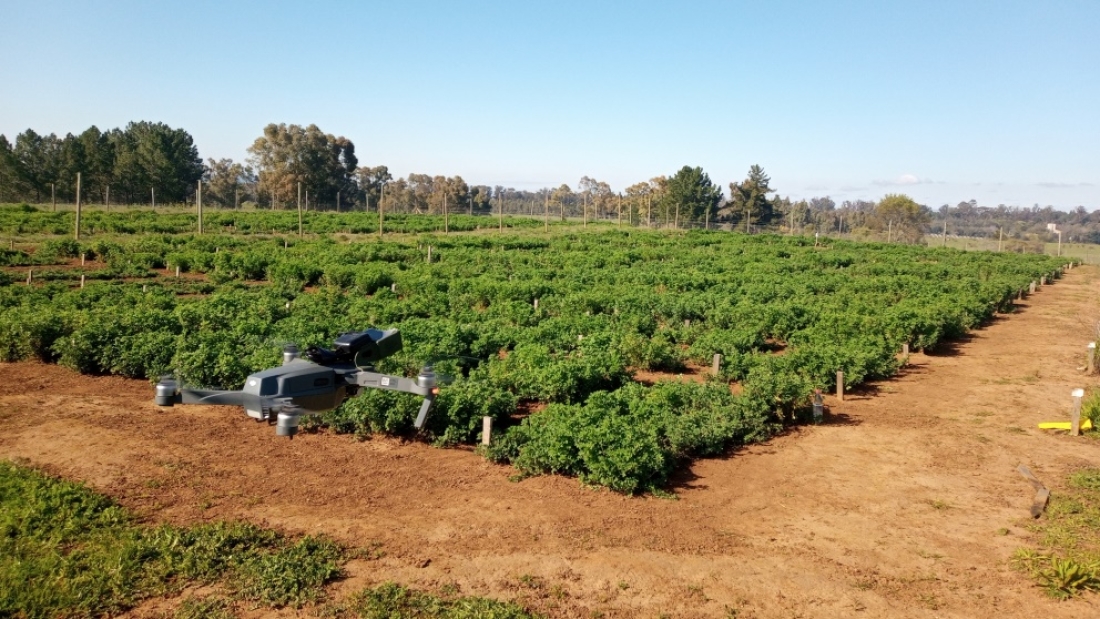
column 151, row 163
column 143, row 162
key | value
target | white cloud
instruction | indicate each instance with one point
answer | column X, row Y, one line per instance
column 904, row 179
column 1063, row 185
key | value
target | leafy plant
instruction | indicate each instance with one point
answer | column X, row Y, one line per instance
column 1069, row 534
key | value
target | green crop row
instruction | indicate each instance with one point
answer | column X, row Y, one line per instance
column 562, row 320
column 26, row 219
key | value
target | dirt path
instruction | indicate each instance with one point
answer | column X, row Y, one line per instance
column 898, row 507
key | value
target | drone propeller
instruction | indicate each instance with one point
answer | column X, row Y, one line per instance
column 446, row 379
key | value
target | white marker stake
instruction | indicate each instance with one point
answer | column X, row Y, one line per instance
column 1092, row 359
column 1075, row 423
column 486, row 429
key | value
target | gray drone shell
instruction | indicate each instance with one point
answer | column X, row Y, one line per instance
column 311, row 387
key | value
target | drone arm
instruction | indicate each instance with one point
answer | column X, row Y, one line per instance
column 374, row 380
column 424, row 385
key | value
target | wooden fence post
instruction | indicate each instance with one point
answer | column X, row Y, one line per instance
column 198, row 202
column 299, row 209
column 716, row 364
column 1031, row 288
column 76, row 235
column 840, row 385
column 81, row 280
column 1091, row 362
column 30, row 276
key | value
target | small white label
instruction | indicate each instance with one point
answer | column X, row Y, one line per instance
column 1092, row 344
column 1078, row 393
column 385, row 381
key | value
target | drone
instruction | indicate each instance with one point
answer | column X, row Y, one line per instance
column 317, row 383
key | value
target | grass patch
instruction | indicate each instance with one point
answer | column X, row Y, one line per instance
column 67, row 551
column 205, row 608
column 1067, row 561
column 392, row 600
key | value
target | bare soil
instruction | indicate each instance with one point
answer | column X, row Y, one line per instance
column 906, row 503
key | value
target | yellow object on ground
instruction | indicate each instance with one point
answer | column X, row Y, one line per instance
column 1086, row 424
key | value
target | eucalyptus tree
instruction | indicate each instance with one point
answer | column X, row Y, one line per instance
column 228, row 182
column 370, row 181
column 286, row 155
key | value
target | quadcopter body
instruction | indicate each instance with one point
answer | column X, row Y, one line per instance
column 316, row 383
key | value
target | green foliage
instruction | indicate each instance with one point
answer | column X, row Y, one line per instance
column 136, row 344
column 28, row 332
column 1090, row 407
column 375, row 410
column 460, row 407
column 290, row 576
column 213, row 607
column 691, row 191
column 1068, row 562
column 1060, row 578
column 294, row 274
column 901, row 218
column 630, row 439
column 16, row 257
column 392, row 600
column 57, row 249
column 784, row 313
column 66, row 551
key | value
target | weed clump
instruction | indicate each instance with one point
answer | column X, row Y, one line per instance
column 1068, row 561
column 66, row 551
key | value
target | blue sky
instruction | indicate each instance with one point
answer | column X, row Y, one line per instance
column 944, row 101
